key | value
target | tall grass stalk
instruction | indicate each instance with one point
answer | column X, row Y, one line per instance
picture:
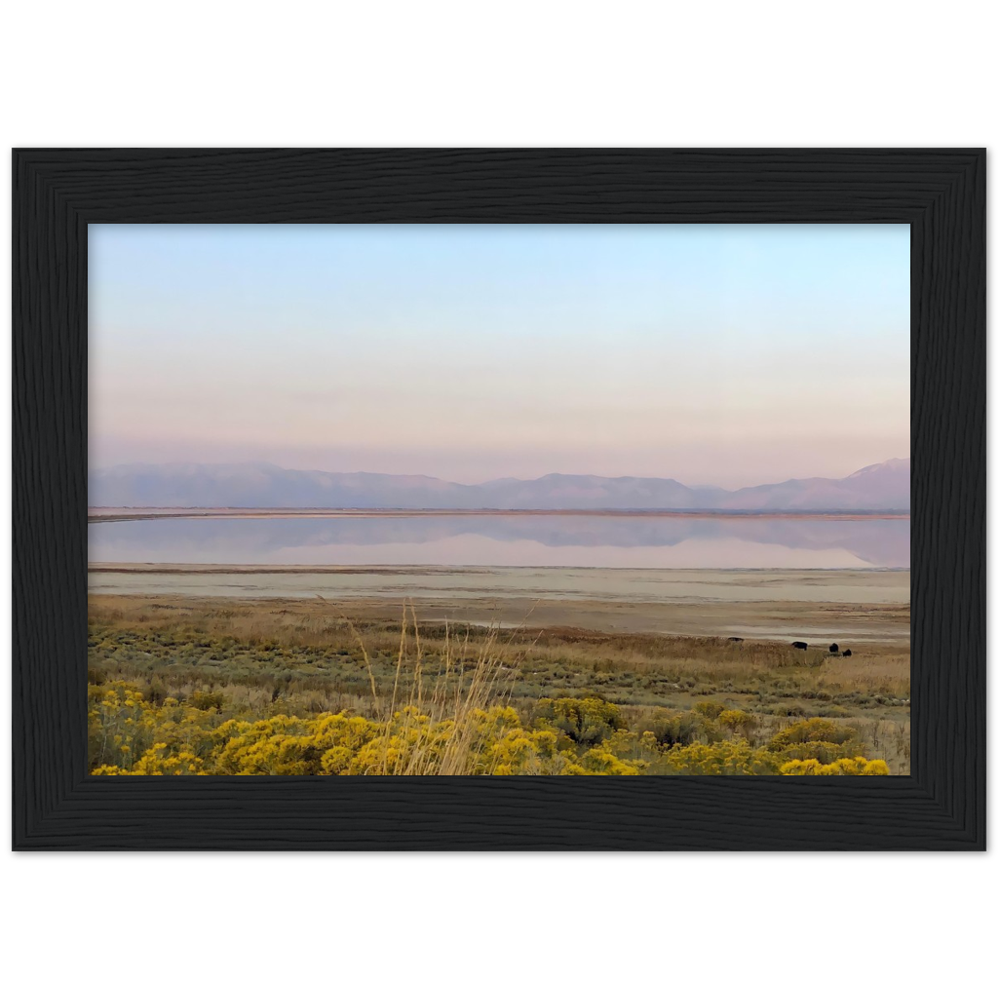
column 456, row 705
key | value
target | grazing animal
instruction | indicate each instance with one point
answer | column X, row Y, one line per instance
column 846, row 652
column 734, row 638
column 834, row 647
column 801, row 645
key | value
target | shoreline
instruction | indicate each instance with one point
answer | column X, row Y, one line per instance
column 404, row 569
column 104, row 515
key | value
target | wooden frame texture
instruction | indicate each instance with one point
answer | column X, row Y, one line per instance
column 941, row 194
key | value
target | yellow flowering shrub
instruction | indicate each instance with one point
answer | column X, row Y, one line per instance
column 709, row 709
column 131, row 735
column 812, row 730
column 518, row 751
column 410, row 743
column 817, row 739
column 599, row 760
column 326, row 744
column 159, row 760
column 846, row 765
column 724, row 757
column 737, row 721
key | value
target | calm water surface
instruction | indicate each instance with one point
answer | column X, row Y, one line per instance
column 604, row 541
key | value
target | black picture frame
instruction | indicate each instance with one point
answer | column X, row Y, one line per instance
column 940, row 193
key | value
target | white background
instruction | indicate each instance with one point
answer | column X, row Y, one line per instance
column 463, row 73
column 490, row 68
column 498, row 932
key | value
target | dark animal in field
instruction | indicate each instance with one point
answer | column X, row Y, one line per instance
column 834, row 647
column 800, row 645
column 734, row 638
column 846, row 652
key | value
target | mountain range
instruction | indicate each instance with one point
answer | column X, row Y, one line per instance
column 881, row 487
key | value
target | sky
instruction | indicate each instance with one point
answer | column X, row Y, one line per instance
column 712, row 354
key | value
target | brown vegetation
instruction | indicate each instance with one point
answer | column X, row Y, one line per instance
column 301, row 657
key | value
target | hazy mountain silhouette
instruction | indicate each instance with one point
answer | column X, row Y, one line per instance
column 881, row 487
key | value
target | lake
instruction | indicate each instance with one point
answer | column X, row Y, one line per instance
column 536, row 540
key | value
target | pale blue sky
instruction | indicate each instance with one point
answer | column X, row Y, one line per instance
column 723, row 354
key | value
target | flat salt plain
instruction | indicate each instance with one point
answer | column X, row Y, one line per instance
column 842, row 605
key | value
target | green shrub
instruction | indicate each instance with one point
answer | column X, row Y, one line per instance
column 680, row 729
column 206, row 700
column 586, row 721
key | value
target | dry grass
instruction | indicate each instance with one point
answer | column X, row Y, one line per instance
column 302, row 656
column 450, row 733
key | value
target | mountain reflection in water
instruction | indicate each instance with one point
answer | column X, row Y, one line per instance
column 513, row 540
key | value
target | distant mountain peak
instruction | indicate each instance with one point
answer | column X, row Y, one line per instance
column 892, row 465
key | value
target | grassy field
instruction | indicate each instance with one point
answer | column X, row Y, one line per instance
column 531, row 700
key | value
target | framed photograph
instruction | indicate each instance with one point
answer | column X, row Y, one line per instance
column 499, row 499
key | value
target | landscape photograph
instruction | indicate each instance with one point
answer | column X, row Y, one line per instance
column 499, row 500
